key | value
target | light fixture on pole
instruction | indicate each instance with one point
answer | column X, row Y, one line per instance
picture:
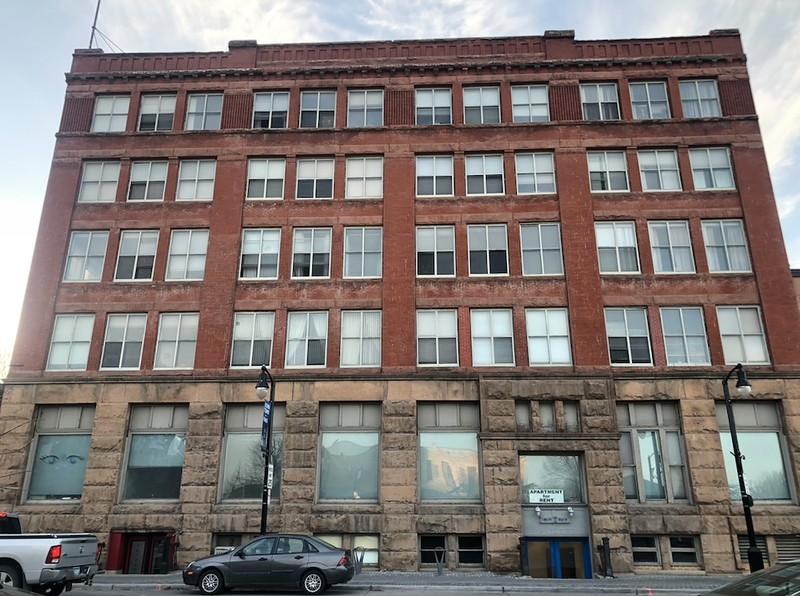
column 754, row 557
column 266, row 387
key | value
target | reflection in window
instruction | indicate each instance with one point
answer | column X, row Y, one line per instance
column 449, row 466
column 560, row 474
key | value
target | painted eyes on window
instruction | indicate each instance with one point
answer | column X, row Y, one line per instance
column 70, row 459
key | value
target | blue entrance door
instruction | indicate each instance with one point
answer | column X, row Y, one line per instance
column 567, row 558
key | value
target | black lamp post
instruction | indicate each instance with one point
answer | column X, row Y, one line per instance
column 264, row 387
column 754, row 556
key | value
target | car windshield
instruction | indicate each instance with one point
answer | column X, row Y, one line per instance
column 778, row 580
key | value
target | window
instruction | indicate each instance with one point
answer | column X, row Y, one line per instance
column 536, row 173
column 187, row 255
column 306, row 339
column 448, row 452
column 99, row 182
column 700, row 99
column 548, row 416
column 260, row 254
column 671, row 247
column 436, row 251
column 470, row 551
column 742, row 334
column 315, row 178
column 659, row 170
column 60, row 450
column 361, row 338
column 243, row 459
column 252, row 339
column 488, row 250
column 652, row 451
column 265, row 178
column 148, row 180
column 541, row 249
column 560, row 473
column 196, row 180
column 492, row 337
column 157, row 113
column 484, row 174
column 683, row 550
column 645, row 550
column 616, row 246
column 204, row 111
column 110, row 113
column 685, row 336
column 137, row 254
column 317, row 109
column 726, row 246
column 431, row 549
column 311, row 252
column 529, row 103
column 85, row 256
column 711, row 168
column 349, row 458
column 364, row 178
column 600, row 101
column 363, row 249
column 69, row 345
column 271, row 109
column 156, row 441
column 608, row 171
column 437, row 338
column 548, row 337
column 433, row 106
column 649, row 101
column 481, row 105
column 759, row 429
column 365, row 108
column 435, row 175
column 628, row 336
column 122, row 346
column 177, row 339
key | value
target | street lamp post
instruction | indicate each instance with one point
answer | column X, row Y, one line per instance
column 265, row 387
column 754, row 556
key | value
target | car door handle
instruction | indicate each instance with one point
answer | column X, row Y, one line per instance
column 298, row 557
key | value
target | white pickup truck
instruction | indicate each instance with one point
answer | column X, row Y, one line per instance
column 44, row 563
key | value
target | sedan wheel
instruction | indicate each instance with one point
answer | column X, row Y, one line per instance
column 211, row 582
column 313, row 583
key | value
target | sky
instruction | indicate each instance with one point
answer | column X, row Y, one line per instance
column 38, row 37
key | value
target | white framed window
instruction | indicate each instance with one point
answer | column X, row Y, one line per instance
column 265, row 178
column 110, row 113
column 684, row 550
column 700, row 99
column 484, row 174
column 99, row 182
column 69, row 344
column 271, row 109
column 187, row 255
column 306, row 339
column 349, row 455
column 685, row 339
column 600, row 101
column 481, row 105
column 204, row 111
column 541, row 249
column 628, row 336
column 361, row 338
column 645, row 550
column 726, row 246
column 649, row 100
column 315, row 178
column 252, row 339
column 317, row 109
column 363, row 252
column 608, row 171
column 437, row 338
column 260, row 254
column 137, row 255
column 536, row 173
column 671, row 247
column 177, row 340
column 617, row 250
column 196, row 180
column 711, row 168
column 659, row 170
column 148, row 181
column 742, row 332
column 85, row 256
column 157, row 112
column 436, row 251
column 434, row 175
column 434, row 106
column 488, row 249
column 529, row 103
column 122, row 346
column 311, row 252
column 548, row 337
column 364, row 178
column 364, row 107
column 492, row 337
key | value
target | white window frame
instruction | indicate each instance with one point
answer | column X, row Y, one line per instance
column 648, row 102
column 197, row 239
column 433, row 99
column 200, row 117
column 151, row 238
column 594, row 95
column 728, row 245
column 664, row 164
column 319, row 114
column 250, row 329
column 682, row 247
column 358, row 115
column 536, row 252
column 72, row 332
column 702, row 161
column 627, row 312
column 364, row 178
column 692, row 343
column 266, row 172
column 133, row 329
column 490, row 246
column 101, row 188
column 620, row 243
column 271, row 115
column 530, row 106
column 545, row 328
column 484, row 171
column 196, row 180
column 318, row 171
column 441, row 167
column 497, row 327
column 162, row 107
column 304, row 338
column 600, row 161
column 447, row 238
column 700, row 105
column 432, row 332
column 324, row 235
column 742, row 335
column 184, row 338
column 364, row 342
column 537, row 171
column 86, row 256
column 153, row 176
column 264, row 238
column 110, row 113
column 482, row 101
column 355, row 247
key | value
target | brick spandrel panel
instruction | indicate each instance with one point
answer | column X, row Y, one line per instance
column 237, row 111
column 565, row 102
column 399, row 107
column 77, row 114
column 736, row 97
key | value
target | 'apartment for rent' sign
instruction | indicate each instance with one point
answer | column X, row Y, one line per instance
column 545, row 495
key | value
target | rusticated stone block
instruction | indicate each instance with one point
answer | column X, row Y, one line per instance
column 300, row 409
column 399, row 408
column 399, row 459
column 198, row 494
column 399, row 477
column 302, row 425
column 399, row 493
column 503, row 523
column 299, row 442
column 398, row 441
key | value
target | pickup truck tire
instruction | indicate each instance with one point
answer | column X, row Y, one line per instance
column 211, row 582
column 10, row 576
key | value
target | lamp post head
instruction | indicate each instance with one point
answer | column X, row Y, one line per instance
column 262, row 387
column 742, row 384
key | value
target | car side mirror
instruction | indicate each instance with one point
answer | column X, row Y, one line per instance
column 240, row 554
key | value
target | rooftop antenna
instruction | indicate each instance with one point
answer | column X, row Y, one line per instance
column 94, row 24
